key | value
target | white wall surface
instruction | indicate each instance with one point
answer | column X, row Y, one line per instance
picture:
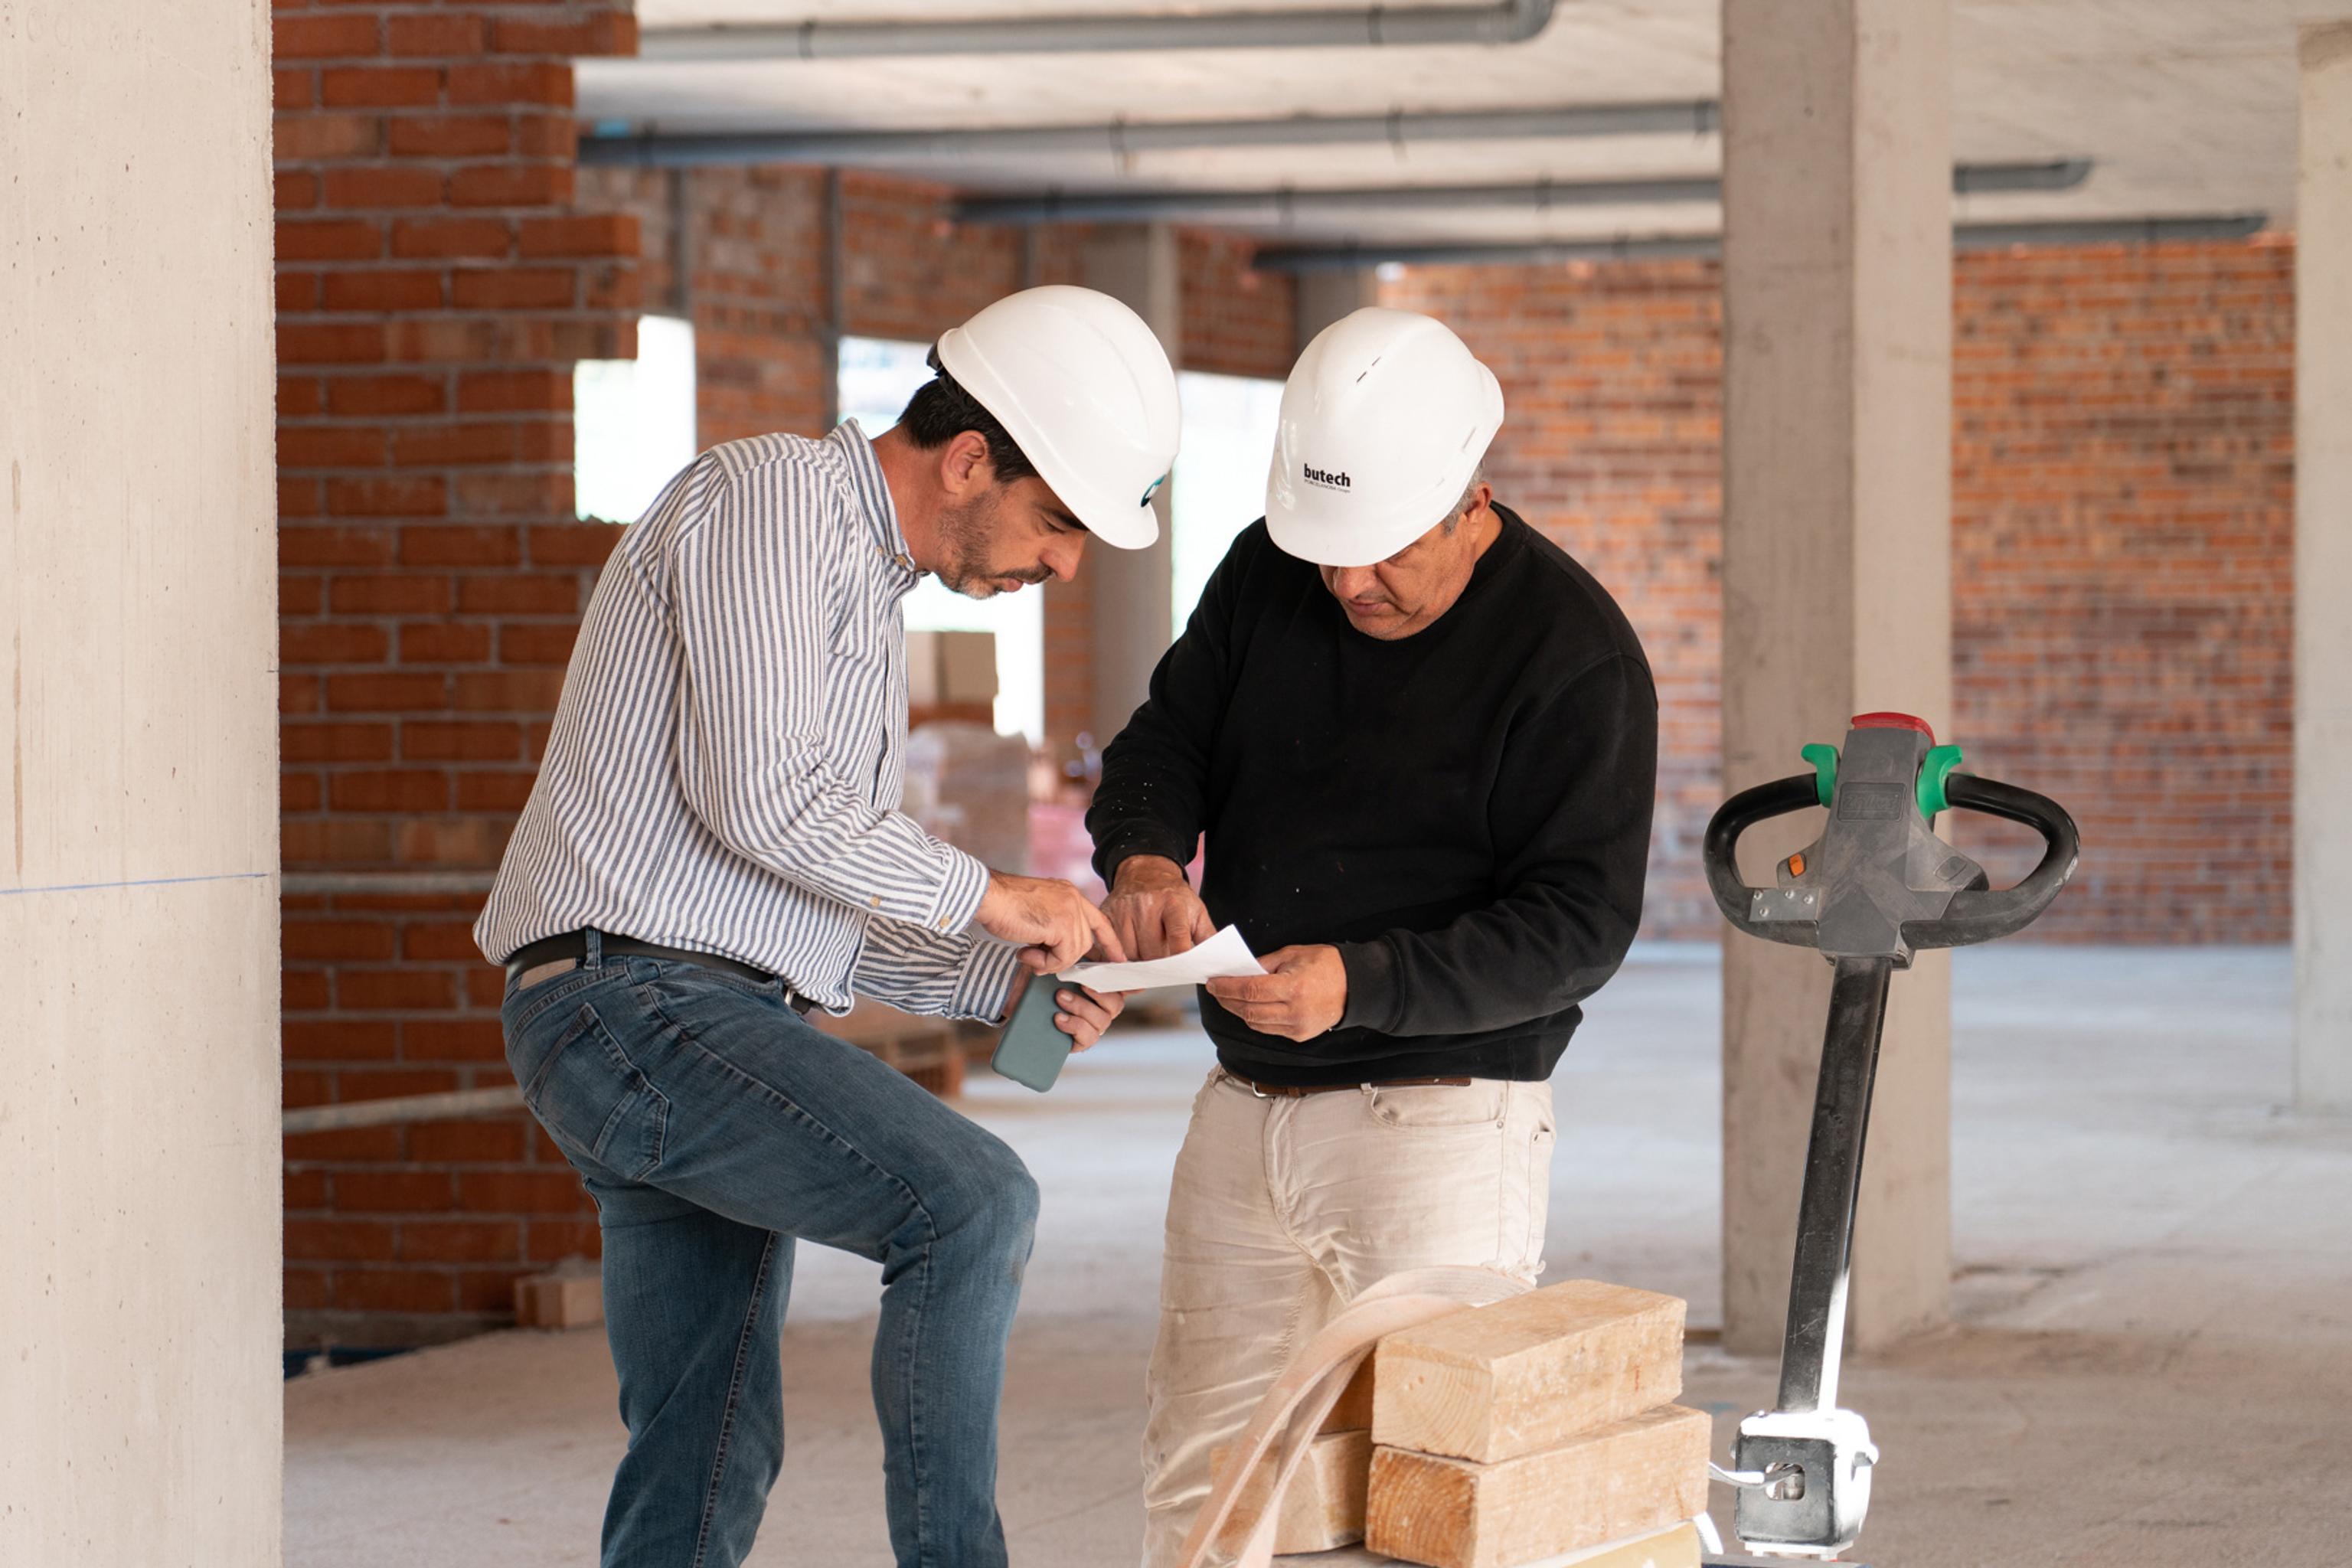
column 139, row 1399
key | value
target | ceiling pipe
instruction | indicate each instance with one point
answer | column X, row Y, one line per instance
column 1511, row 22
column 1285, row 206
column 1124, row 139
column 1546, row 253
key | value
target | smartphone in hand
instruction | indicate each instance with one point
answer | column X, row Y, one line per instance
column 1031, row 1051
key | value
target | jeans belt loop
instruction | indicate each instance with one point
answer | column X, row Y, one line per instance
column 594, row 957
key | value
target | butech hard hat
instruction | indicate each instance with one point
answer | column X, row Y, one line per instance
column 1384, row 419
column 1086, row 392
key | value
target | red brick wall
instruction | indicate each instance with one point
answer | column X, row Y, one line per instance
column 2122, row 511
column 437, row 282
column 2123, row 572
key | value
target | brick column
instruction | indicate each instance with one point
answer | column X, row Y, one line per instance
column 435, row 287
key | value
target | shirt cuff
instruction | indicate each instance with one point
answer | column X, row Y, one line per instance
column 986, row 984
column 1371, row 985
column 965, row 885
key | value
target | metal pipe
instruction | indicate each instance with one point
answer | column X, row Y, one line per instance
column 1124, row 139
column 1546, row 253
column 458, row 1103
column 1510, row 22
column 1281, row 206
column 1285, row 206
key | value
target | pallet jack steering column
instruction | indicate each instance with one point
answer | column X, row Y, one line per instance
column 1875, row 887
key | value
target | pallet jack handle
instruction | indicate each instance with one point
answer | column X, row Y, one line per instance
column 1875, row 887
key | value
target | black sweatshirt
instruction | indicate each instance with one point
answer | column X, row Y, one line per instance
column 1464, row 812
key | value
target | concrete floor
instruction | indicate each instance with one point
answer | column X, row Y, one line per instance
column 2154, row 1279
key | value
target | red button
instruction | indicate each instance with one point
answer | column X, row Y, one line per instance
column 1892, row 722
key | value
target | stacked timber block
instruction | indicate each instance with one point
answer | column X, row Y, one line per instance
column 1534, row 1429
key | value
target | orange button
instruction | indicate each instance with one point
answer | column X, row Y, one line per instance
column 1796, row 864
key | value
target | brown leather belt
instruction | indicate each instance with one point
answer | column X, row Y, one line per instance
column 1299, row 1090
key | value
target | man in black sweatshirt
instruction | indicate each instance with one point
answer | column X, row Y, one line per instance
column 1422, row 742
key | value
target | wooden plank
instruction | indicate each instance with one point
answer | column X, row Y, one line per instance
column 564, row 1299
column 1678, row 1546
column 1325, row 1505
column 1491, row 1383
column 1626, row 1480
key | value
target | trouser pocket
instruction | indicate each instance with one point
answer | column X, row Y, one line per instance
column 588, row 1093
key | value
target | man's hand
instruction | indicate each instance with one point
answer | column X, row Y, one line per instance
column 1049, row 915
column 1154, row 910
column 1305, row 993
column 1083, row 1015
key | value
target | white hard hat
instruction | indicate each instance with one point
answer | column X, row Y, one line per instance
column 1383, row 421
column 1086, row 392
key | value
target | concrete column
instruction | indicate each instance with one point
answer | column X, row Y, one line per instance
column 1324, row 296
column 2323, row 574
column 1131, row 589
column 1836, row 585
column 139, row 1145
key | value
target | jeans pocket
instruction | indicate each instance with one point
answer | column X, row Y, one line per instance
column 593, row 1102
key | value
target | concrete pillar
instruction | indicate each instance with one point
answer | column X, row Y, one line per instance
column 2323, row 574
column 1131, row 589
column 139, row 1145
column 1324, row 296
column 1836, row 585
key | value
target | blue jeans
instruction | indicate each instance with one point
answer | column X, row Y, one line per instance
column 714, row 1128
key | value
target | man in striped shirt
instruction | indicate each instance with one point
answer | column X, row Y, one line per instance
column 713, row 848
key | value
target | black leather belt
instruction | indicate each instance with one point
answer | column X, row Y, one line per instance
column 573, row 945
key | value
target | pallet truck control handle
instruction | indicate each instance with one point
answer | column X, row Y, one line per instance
column 1973, row 916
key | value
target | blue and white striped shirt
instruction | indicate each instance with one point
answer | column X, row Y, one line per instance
column 725, row 766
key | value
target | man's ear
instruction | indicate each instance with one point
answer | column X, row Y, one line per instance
column 964, row 465
column 1485, row 497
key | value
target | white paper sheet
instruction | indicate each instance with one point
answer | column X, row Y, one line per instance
column 1222, row 955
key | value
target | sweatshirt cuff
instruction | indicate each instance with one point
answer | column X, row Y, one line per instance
column 1128, row 842
column 1371, row 985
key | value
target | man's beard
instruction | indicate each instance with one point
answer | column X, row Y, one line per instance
column 965, row 535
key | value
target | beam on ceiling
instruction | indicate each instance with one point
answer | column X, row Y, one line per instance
column 1126, row 139
column 1510, row 22
column 1965, row 237
column 1282, row 206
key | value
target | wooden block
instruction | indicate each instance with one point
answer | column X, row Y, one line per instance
column 1677, row 1547
column 1325, row 1505
column 1354, row 1411
column 1491, row 1383
column 1627, row 1479
column 564, row 1299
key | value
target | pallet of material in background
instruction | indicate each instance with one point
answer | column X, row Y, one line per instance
column 1539, row 1430
column 926, row 1050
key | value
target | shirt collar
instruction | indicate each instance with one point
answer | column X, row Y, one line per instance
column 872, row 495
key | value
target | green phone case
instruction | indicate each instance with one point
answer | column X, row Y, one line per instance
column 1031, row 1051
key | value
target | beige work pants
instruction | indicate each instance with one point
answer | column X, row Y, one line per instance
column 1283, row 1209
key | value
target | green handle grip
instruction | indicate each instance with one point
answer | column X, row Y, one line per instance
column 1825, row 759
column 1937, row 767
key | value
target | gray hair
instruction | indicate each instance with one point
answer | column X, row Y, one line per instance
column 1469, row 495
